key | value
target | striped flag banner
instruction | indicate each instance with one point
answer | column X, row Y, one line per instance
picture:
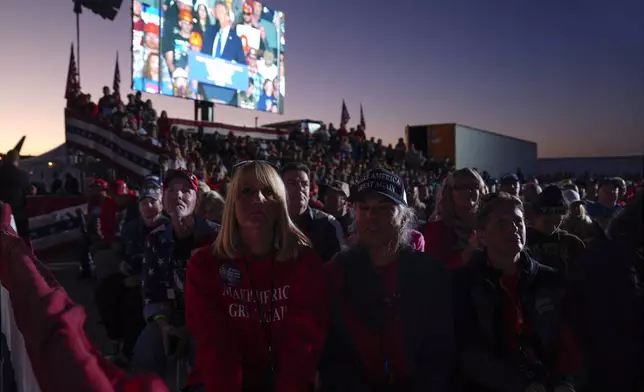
column 53, row 226
column 136, row 157
column 133, row 157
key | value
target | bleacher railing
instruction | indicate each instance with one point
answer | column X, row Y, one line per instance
column 135, row 156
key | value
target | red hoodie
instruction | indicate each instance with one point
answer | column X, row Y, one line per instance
column 111, row 218
column 232, row 344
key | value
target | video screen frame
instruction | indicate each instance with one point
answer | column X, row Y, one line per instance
column 229, row 52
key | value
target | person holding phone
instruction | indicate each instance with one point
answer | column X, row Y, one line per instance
column 255, row 300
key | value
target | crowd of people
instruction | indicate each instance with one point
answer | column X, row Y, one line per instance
column 331, row 262
column 261, row 291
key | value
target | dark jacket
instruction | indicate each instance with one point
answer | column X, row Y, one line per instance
column 486, row 361
column 609, row 310
column 14, row 185
column 421, row 307
column 163, row 276
column 133, row 238
column 324, row 231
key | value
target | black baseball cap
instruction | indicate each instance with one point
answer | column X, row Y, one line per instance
column 382, row 182
column 509, row 178
column 551, row 202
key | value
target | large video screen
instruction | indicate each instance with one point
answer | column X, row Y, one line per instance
column 225, row 51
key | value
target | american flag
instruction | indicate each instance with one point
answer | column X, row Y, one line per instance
column 344, row 120
column 52, row 224
column 116, row 85
column 73, row 84
column 363, row 124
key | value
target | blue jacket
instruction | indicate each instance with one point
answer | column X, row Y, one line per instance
column 163, row 275
column 607, row 299
column 233, row 49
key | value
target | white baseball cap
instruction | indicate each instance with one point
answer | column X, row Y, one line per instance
column 572, row 196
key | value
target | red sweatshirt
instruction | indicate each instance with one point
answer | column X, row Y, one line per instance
column 439, row 242
column 110, row 219
column 232, row 342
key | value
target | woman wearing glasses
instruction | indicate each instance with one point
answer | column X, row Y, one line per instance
column 450, row 234
column 255, row 300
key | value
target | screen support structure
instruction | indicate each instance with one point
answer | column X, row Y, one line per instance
column 204, row 111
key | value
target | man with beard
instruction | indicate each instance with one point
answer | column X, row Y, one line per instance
column 322, row 229
column 249, row 20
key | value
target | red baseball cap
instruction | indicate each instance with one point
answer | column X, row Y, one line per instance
column 180, row 173
column 120, row 187
column 100, row 183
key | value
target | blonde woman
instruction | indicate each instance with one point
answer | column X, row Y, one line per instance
column 211, row 206
column 179, row 161
column 578, row 222
column 449, row 234
column 255, row 300
column 419, row 207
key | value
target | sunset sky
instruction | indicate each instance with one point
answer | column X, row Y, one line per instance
column 568, row 74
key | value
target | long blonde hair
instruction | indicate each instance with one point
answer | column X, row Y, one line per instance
column 288, row 237
column 444, row 207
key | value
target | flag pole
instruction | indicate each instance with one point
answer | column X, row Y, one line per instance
column 77, row 10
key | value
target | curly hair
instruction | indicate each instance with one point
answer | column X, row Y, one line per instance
column 444, row 208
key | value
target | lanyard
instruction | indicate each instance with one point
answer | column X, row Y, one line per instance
column 385, row 340
column 519, row 321
column 266, row 326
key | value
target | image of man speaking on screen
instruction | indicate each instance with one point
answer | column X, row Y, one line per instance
column 221, row 41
